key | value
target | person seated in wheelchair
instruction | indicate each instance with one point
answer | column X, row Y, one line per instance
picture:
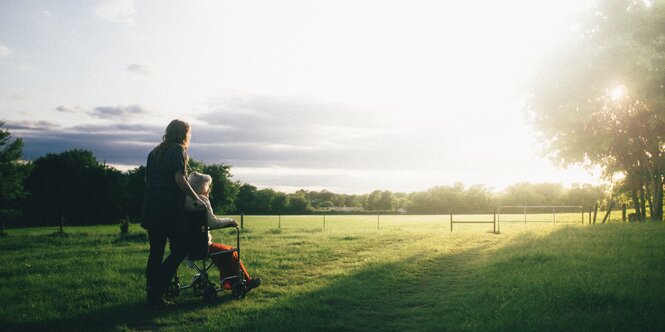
column 228, row 263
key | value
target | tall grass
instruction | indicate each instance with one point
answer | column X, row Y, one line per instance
column 410, row 273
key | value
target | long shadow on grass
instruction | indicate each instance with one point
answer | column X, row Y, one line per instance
column 566, row 280
column 571, row 279
column 132, row 316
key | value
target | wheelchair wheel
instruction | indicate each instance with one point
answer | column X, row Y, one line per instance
column 174, row 291
column 239, row 290
column 209, row 293
column 199, row 285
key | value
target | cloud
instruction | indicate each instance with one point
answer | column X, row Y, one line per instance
column 141, row 70
column 114, row 143
column 107, row 112
column 46, row 13
column 291, row 121
column 4, row 51
column 20, row 96
column 117, row 112
column 117, row 11
column 31, row 126
column 266, row 131
column 75, row 109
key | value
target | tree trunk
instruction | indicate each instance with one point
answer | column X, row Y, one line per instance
column 609, row 210
column 650, row 201
column 643, row 205
column 657, row 211
column 636, row 202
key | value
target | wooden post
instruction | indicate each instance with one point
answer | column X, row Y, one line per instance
column 377, row 220
column 451, row 221
column 525, row 216
column 494, row 219
column 590, row 209
column 595, row 213
column 242, row 221
column 554, row 215
column 609, row 210
column 623, row 212
column 324, row 221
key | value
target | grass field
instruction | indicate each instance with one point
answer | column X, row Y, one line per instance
column 411, row 273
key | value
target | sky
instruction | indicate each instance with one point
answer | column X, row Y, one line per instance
column 348, row 96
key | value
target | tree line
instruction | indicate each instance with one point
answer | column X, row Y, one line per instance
column 75, row 188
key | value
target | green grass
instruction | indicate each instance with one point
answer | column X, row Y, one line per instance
column 410, row 274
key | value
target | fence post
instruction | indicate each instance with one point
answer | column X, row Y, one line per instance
column 451, row 222
column 554, row 214
column 582, row 211
column 623, row 212
column 242, row 221
column 590, row 209
column 595, row 213
column 324, row 221
column 377, row 220
column 494, row 219
column 525, row 216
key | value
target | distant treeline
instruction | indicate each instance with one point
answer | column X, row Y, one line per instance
column 74, row 187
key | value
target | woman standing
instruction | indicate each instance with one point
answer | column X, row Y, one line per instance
column 163, row 208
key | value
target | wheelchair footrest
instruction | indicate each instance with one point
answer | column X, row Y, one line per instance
column 222, row 252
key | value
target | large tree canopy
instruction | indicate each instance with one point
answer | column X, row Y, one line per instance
column 601, row 99
column 12, row 173
column 73, row 185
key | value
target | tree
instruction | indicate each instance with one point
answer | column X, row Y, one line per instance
column 373, row 199
column 74, row 186
column 223, row 191
column 439, row 200
column 386, row 201
column 12, row 173
column 280, row 203
column 298, row 203
column 246, row 199
column 585, row 195
column 601, row 100
column 134, row 192
column 264, row 199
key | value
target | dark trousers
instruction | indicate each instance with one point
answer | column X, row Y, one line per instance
column 159, row 273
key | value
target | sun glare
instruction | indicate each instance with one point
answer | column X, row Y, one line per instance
column 618, row 92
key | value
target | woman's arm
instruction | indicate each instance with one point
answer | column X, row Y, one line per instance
column 183, row 184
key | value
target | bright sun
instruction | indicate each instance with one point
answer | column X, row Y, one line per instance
column 618, row 92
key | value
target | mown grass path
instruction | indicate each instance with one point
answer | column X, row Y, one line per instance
column 406, row 276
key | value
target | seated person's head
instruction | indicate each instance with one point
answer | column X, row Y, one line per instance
column 200, row 182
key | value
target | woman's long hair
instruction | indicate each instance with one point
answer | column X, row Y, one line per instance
column 177, row 132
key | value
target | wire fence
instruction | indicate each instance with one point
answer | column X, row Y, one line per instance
column 508, row 217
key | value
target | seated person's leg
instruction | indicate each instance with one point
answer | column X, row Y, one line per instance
column 227, row 264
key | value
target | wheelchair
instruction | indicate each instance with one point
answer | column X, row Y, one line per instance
column 201, row 284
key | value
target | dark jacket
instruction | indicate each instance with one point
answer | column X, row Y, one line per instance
column 164, row 202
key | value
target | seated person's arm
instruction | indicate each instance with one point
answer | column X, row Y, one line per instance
column 215, row 222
